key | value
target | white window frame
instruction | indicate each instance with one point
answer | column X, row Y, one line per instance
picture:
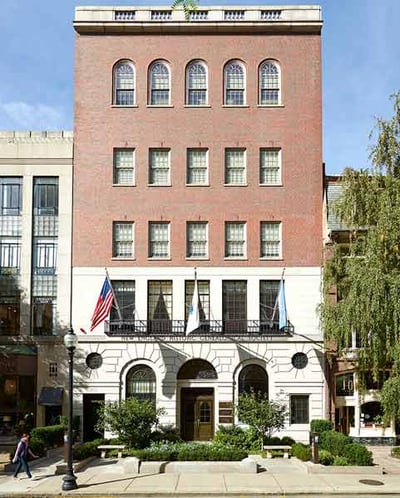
column 269, row 169
column 163, row 242
column 123, row 241
column 191, row 168
column 192, row 242
column 229, row 88
column 232, row 168
column 124, row 84
column 231, row 242
column 153, row 87
column 192, row 89
column 10, row 254
column 275, row 242
column 163, row 169
column 124, row 166
column 264, row 85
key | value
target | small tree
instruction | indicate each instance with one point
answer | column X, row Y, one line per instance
column 390, row 399
column 264, row 416
column 131, row 420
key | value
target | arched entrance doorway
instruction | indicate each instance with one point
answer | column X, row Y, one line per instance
column 196, row 378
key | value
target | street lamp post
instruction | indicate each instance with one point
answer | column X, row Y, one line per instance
column 70, row 341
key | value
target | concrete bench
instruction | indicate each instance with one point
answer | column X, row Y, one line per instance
column 105, row 447
column 280, row 447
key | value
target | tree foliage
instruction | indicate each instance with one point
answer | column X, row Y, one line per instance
column 131, row 420
column 390, row 399
column 264, row 416
column 187, row 5
column 368, row 278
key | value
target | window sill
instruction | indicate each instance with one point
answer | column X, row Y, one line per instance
column 124, row 184
column 228, row 106
column 159, row 184
column 271, row 258
column 197, row 184
column 270, row 184
column 159, row 105
column 197, row 258
column 159, row 258
column 268, row 106
column 202, row 106
column 120, row 258
column 235, row 258
column 236, row 184
column 118, row 106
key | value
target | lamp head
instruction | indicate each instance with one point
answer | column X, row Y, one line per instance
column 70, row 339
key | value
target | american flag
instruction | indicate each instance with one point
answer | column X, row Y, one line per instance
column 103, row 306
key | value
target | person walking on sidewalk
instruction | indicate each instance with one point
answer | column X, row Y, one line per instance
column 21, row 455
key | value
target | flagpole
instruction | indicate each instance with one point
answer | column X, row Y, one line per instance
column 114, row 297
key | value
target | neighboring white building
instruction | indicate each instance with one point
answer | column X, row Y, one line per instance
column 35, row 273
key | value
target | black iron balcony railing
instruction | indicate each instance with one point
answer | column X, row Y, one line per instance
column 211, row 328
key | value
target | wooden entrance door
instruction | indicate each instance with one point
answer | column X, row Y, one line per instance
column 197, row 414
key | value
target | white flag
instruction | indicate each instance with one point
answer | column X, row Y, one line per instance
column 193, row 322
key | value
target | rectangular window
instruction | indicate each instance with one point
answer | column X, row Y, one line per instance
column 45, row 195
column 269, row 309
column 53, row 369
column 270, row 243
column 197, row 167
column 44, row 316
column 124, row 291
column 235, row 239
column 124, row 167
column 299, row 409
column 159, row 167
column 270, row 167
column 203, row 288
column 9, row 315
column 44, row 256
column 159, row 240
column 234, row 306
column 345, row 384
column 10, row 255
column 235, row 166
column 197, row 240
column 159, row 310
column 123, row 240
column 10, row 195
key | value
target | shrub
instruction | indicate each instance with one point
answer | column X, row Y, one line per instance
column 301, row 451
column 131, row 420
column 50, row 436
column 166, row 433
column 88, row 449
column 237, row 437
column 340, row 461
column 288, row 441
column 272, row 440
column 37, row 446
column 357, row 454
column 334, row 442
column 188, row 452
column 395, row 452
column 325, row 458
column 320, row 425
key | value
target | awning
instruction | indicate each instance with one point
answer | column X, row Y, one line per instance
column 51, row 396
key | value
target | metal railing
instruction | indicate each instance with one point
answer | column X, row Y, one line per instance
column 211, row 328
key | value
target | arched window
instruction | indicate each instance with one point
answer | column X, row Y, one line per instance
column 124, row 83
column 196, row 83
column 253, row 377
column 159, row 80
column 141, row 383
column 269, row 83
column 234, row 83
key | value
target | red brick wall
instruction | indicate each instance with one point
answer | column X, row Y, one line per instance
column 295, row 127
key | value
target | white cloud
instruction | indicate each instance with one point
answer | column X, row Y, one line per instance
column 26, row 116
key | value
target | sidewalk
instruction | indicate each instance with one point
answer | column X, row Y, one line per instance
column 278, row 478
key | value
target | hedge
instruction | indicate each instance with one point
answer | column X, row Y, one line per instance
column 50, row 436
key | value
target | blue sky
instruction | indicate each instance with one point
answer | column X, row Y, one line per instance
column 361, row 68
